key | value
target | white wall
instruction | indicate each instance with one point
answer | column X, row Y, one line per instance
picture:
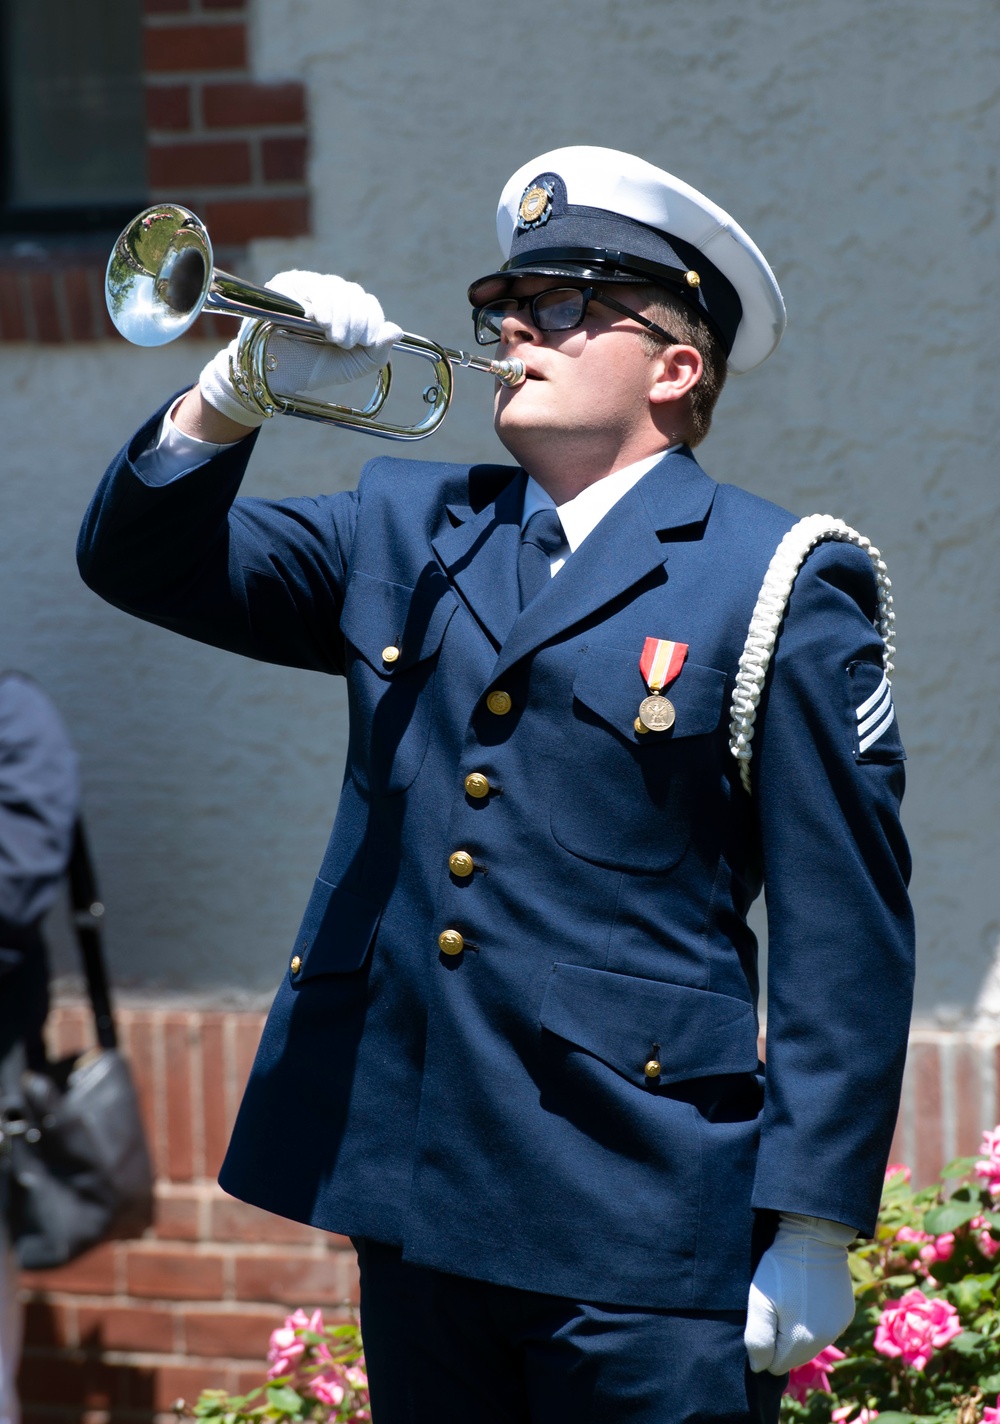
column 855, row 142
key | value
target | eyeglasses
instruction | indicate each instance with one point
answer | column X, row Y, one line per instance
column 558, row 309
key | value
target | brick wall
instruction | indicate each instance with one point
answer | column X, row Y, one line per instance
column 124, row 1331
column 231, row 149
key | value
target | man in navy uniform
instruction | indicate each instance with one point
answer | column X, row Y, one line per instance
column 514, row 1054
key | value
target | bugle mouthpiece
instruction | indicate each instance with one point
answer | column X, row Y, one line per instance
column 510, row 372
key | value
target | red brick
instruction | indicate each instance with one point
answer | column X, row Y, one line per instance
column 78, row 303
column 247, row 1032
column 167, row 1274
column 138, row 1034
column 231, row 1334
column 195, row 47
column 168, row 106
column 69, row 1029
column 233, row 1220
column 926, row 1070
column 136, row 1327
column 239, row 220
column 91, row 1274
column 213, row 1078
column 173, row 1382
column 12, row 323
column 48, row 327
column 896, row 1150
column 47, row 1323
column 968, row 1100
column 283, row 159
column 295, row 1280
column 177, row 1218
column 179, row 1037
column 197, row 164
column 244, row 105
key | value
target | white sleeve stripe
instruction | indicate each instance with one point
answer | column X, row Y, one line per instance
column 869, row 702
column 875, row 716
column 883, row 726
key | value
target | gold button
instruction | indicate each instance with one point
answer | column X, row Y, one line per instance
column 652, row 1069
column 390, row 654
column 460, row 863
column 296, row 964
column 692, row 279
column 450, row 942
column 640, row 728
column 499, row 703
column 476, row 785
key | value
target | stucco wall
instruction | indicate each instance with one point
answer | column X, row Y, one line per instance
column 855, row 142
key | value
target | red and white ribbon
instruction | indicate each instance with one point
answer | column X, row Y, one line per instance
column 661, row 661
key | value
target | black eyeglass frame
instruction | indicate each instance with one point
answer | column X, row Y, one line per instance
column 589, row 294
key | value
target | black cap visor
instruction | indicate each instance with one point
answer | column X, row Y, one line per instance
column 603, row 264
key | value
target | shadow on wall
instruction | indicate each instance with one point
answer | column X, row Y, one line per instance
column 59, row 1383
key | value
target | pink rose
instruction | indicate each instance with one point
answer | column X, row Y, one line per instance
column 990, row 1415
column 989, row 1167
column 914, row 1326
column 285, row 1350
column 940, row 1249
column 328, row 1387
column 814, row 1375
column 912, row 1233
column 895, row 1169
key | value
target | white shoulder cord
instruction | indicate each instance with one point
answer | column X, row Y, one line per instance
column 769, row 611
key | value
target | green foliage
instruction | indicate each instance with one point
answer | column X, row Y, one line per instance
column 326, row 1382
column 944, row 1242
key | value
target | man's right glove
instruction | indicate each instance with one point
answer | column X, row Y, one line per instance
column 360, row 342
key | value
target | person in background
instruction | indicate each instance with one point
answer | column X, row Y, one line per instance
column 39, row 804
column 514, row 1055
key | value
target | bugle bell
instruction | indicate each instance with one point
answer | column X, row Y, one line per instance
column 162, row 275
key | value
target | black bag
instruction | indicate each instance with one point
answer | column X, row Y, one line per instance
column 74, row 1167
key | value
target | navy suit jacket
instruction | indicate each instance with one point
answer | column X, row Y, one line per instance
column 489, row 1111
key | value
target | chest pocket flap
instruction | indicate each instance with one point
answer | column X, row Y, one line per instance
column 618, row 1018
column 379, row 615
column 609, row 682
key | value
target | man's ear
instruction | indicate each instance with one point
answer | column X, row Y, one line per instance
column 674, row 373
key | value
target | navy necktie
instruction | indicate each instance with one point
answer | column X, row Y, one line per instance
column 540, row 538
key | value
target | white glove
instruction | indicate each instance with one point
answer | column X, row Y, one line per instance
column 361, row 340
column 801, row 1297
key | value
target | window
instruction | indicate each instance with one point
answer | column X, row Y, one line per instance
column 74, row 147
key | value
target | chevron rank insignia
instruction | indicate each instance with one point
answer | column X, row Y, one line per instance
column 875, row 716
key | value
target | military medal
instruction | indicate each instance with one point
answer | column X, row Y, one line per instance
column 660, row 663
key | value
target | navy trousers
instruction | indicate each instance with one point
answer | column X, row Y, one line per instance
column 442, row 1349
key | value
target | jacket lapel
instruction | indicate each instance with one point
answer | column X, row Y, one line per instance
column 624, row 548
column 480, row 554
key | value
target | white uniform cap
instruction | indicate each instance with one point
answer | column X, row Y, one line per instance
column 612, row 216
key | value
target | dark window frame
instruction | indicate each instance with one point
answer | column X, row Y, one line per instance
column 80, row 217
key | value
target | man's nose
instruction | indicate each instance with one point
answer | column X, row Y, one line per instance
column 518, row 326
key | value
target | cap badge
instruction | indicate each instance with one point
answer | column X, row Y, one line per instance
column 536, row 204
column 692, row 279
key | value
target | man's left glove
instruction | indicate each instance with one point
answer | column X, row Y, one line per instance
column 358, row 337
column 801, row 1297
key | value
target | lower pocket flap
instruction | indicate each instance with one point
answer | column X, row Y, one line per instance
column 336, row 931
column 619, row 1018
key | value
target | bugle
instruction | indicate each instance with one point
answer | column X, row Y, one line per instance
column 162, row 275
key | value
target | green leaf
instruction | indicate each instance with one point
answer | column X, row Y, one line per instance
column 990, row 1385
column 860, row 1269
column 287, row 1401
column 955, row 1213
column 959, row 1167
column 968, row 1343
